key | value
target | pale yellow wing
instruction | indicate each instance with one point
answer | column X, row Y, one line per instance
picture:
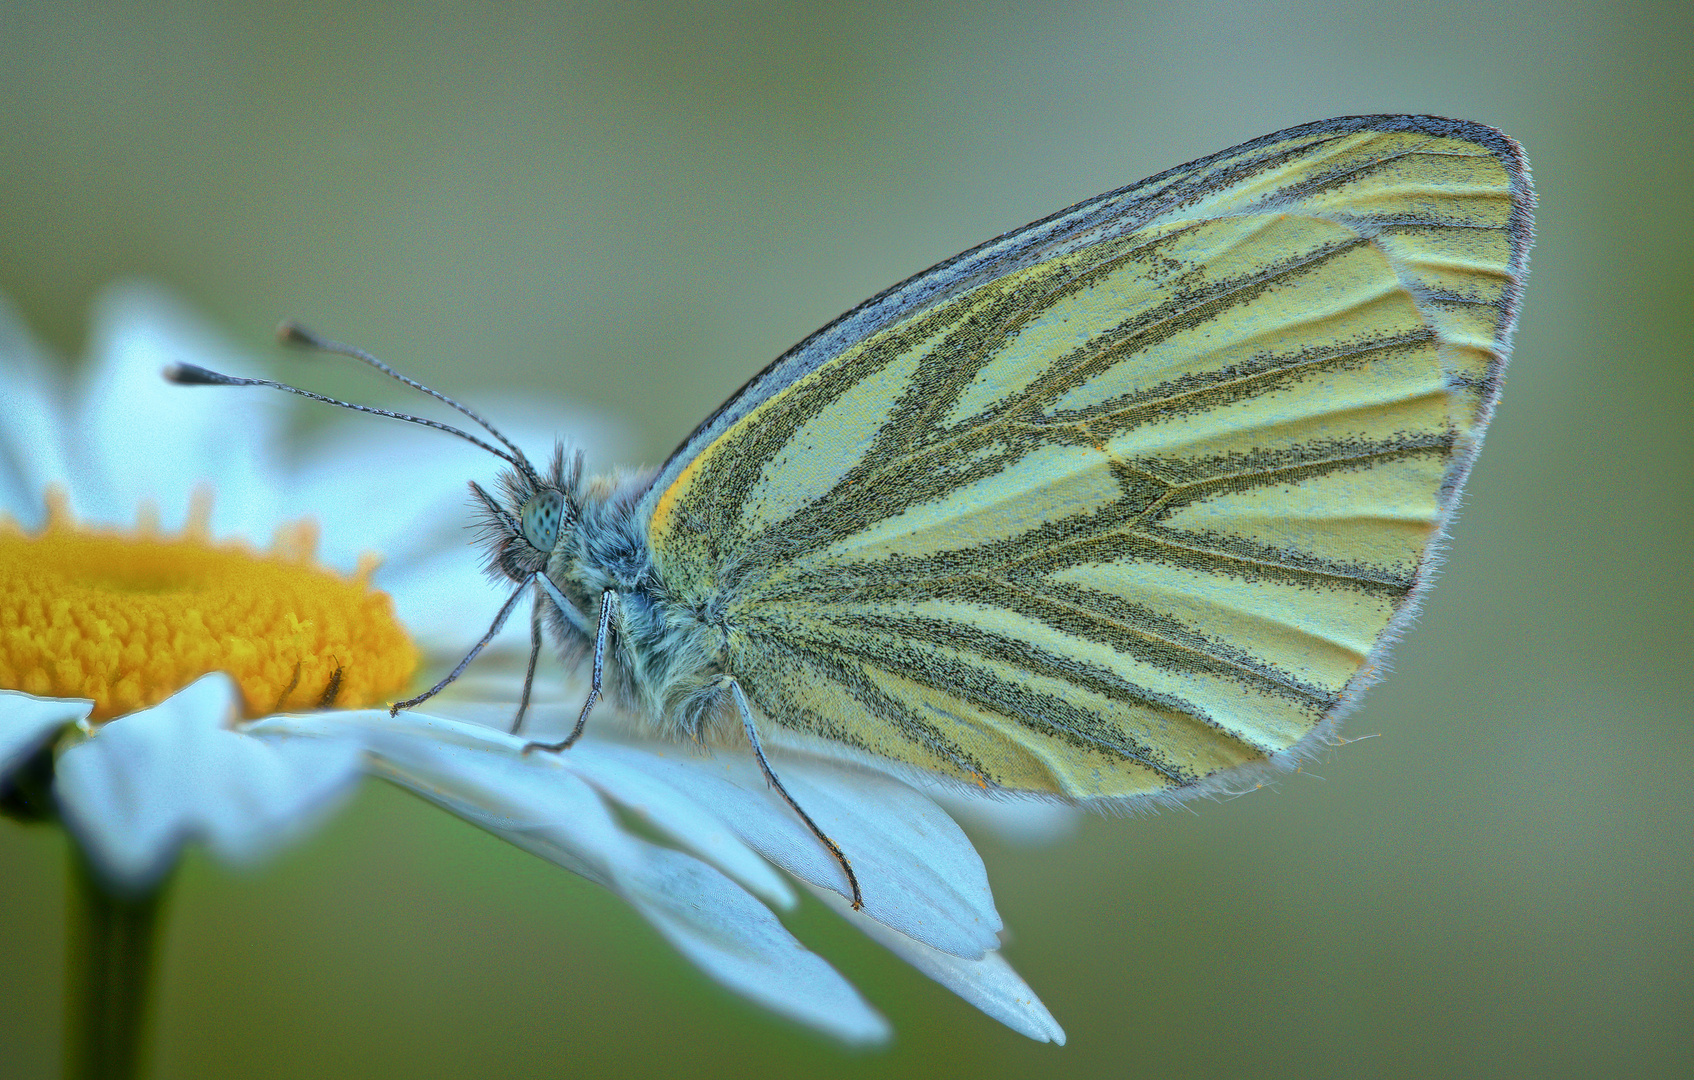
column 1132, row 500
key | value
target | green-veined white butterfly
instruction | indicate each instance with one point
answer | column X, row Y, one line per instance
column 1125, row 504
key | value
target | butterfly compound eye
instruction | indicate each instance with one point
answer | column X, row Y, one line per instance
column 539, row 516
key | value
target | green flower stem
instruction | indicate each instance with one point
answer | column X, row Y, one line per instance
column 109, row 966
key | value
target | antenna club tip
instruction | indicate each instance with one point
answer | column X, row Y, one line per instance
column 290, row 332
column 190, row 375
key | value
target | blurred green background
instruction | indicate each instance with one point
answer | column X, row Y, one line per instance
column 634, row 207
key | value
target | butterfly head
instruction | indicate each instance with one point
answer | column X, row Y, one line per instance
column 535, row 515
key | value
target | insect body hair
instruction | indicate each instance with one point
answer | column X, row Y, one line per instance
column 664, row 659
column 668, row 656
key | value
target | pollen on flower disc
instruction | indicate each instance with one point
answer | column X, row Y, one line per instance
column 129, row 618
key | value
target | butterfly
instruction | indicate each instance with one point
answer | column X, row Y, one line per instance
column 1124, row 505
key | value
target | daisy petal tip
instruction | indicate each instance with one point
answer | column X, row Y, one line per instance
column 739, row 943
column 988, row 982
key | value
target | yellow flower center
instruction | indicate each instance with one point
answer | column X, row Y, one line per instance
column 128, row 619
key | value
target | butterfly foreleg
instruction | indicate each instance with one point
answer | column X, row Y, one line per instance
column 494, row 628
column 770, row 777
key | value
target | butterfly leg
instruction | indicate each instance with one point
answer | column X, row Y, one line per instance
column 765, row 767
column 608, row 601
column 499, row 621
column 534, row 654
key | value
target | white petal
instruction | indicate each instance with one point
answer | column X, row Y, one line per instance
column 736, row 940
column 540, row 803
column 32, row 425
column 442, row 758
column 989, row 983
column 625, row 774
column 145, row 438
column 446, row 603
column 917, row 871
column 730, row 936
column 145, row 784
column 26, row 722
column 477, row 773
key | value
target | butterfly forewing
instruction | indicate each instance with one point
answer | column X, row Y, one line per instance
column 1131, row 498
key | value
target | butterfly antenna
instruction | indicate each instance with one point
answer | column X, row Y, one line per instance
column 290, row 332
column 190, row 375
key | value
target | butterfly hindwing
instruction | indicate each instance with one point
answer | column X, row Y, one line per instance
column 1132, row 499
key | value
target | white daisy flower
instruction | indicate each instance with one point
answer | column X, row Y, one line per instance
column 139, row 619
column 148, row 752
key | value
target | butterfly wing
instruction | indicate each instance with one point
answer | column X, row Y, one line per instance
column 1129, row 501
